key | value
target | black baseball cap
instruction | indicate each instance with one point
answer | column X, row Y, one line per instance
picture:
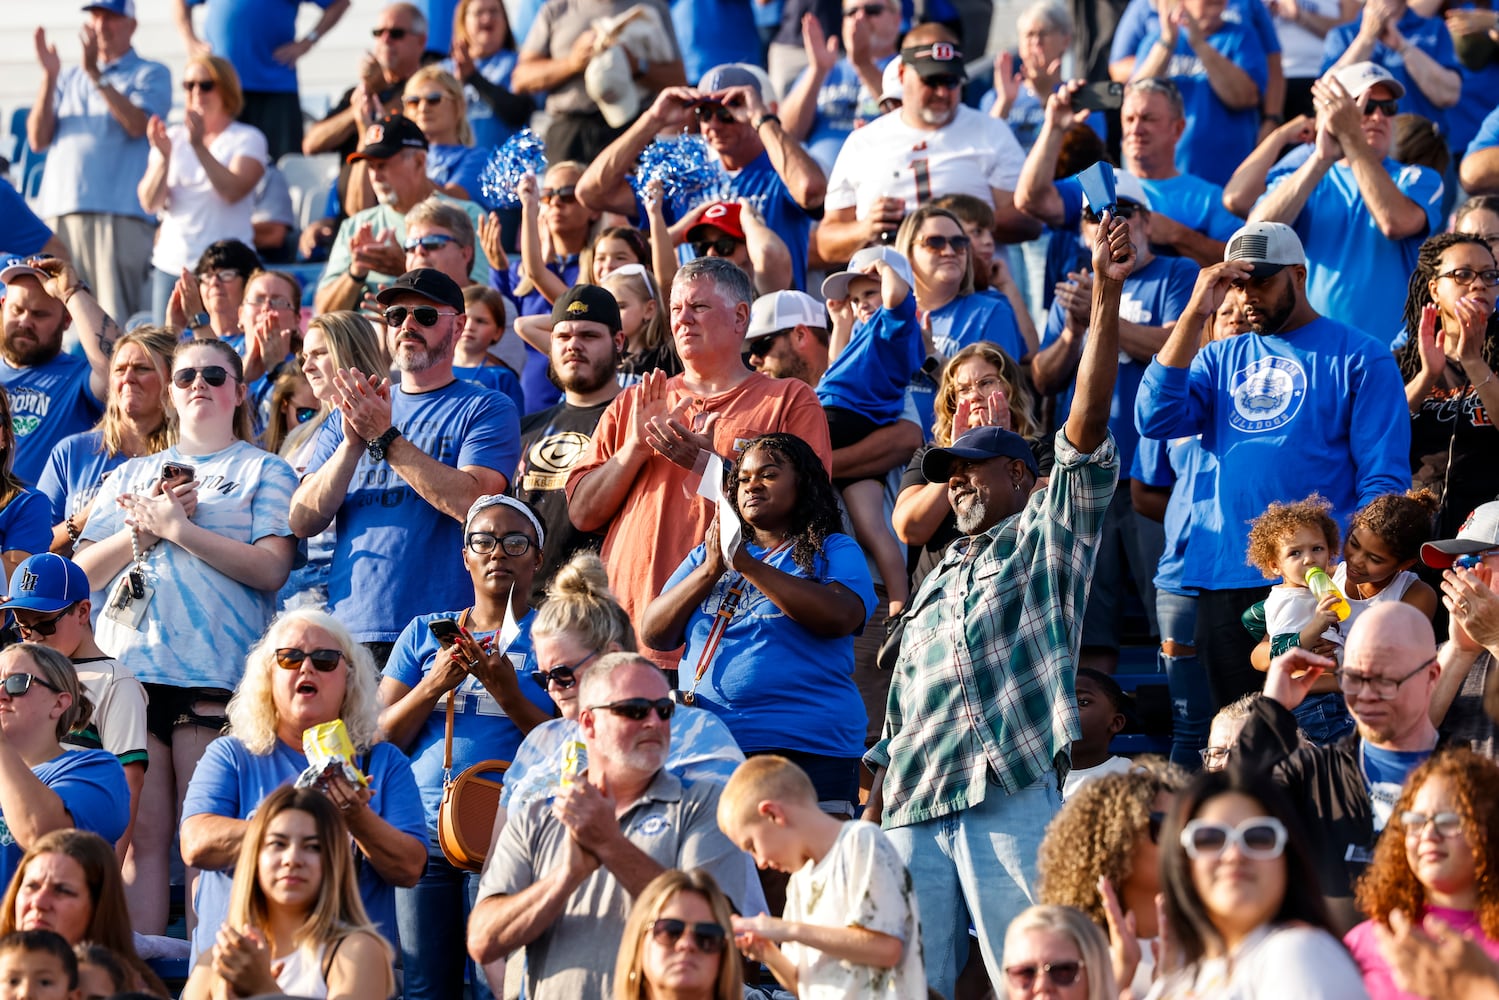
column 427, row 282
column 387, row 137
column 935, row 59
column 977, row 445
column 588, row 302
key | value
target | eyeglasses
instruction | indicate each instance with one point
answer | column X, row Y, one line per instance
column 274, row 301
column 1023, row 977
column 202, row 86
column 1261, row 838
column 1153, row 825
column 944, row 81
column 323, row 660
column 713, row 111
column 636, row 709
column 1389, row 106
column 760, row 346
column 983, row 386
column 305, row 413
column 482, row 543
column 1489, row 276
column 424, row 315
column 18, row 684
column 937, row 244
column 724, row 246
column 1473, row 558
column 394, row 34
column 222, row 276
column 868, row 10
column 1123, row 210
column 709, row 938
column 1384, row 688
column 1214, row 757
column 214, row 375
column 1447, row 824
column 436, row 241
column 47, row 626
column 563, row 675
column 430, row 100
column 567, row 194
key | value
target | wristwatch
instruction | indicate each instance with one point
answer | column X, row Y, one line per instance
column 196, row 320
column 381, row 444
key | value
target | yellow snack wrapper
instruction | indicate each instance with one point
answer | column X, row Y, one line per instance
column 574, row 761
column 327, row 745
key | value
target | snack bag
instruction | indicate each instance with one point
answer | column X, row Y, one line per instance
column 328, row 747
column 574, row 761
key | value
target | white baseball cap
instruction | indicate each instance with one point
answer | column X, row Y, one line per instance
column 890, row 82
column 1269, row 246
column 1360, row 76
column 1479, row 532
column 835, row 286
column 607, row 80
column 783, row 310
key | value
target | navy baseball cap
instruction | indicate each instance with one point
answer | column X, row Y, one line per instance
column 47, row 582
column 978, row 445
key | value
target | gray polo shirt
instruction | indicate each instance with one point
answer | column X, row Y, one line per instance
column 674, row 822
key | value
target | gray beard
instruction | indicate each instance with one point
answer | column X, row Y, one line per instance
column 972, row 517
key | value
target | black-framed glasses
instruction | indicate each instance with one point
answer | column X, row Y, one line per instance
column 723, row 246
column 760, row 346
column 305, row 413
column 323, row 660
column 1123, row 210
column 47, row 626
column 1384, row 688
column 1388, row 105
column 946, row 81
column 514, row 543
column 424, row 315
column 1023, row 977
column 636, row 709
column 1261, row 838
column 713, row 111
column 564, row 675
column 937, row 244
column 1214, row 758
column 1153, row 825
column 214, row 375
column 1465, row 275
column 202, row 86
column 1446, row 824
column 708, row 938
column 434, row 241
column 868, row 10
column 18, row 684
column 274, row 301
column 431, row 100
column 567, row 194
column 221, row 275
column 394, row 34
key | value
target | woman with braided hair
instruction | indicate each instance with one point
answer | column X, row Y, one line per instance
column 1448, row 365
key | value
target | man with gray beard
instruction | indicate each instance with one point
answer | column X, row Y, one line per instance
column 402, row 466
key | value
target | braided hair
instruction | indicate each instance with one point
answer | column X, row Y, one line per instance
column 816, row 515
column 1418, row 295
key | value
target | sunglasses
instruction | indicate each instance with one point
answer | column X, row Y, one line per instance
column 721, row 247
column 1489, row 276
column 635, row 271
column 47, row 626
column 424, row 315
column 214, row 375
column 305, row 413
column 565, row 195
column 394, row 34
column 1023, row 977
column 274, row 301
column 18, row 684
column 709, row 938
column 1260, row 838
column 562, row 675
column 203, row 86
column 429, row 243
column 430, row 100
column 1473, row 558
column 760, row 346
column 323, row 660
column 482, row 543
column 1389, row 106
column 937, row 244
column 944, row 81
column 636, row 709
column 713, row 111
column 1448, row 824
column 1154, row 824
column 1123, row 210
column 868, row 10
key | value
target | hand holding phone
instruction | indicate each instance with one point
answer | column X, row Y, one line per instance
column 445, row 631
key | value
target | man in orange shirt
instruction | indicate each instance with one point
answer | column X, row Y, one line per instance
column 638, row 481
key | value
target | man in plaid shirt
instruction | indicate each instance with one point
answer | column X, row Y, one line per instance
column 982, row 712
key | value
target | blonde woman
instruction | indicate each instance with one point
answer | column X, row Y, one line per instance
column 676, row 942
column 434, row 100
column 1056, row 952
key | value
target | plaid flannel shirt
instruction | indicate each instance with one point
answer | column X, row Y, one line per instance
column 983, row 691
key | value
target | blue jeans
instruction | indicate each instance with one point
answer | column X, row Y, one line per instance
column 978, row 865
column 162, row 283
column 433, row 916
column 1324, row 718
column 1191, row 697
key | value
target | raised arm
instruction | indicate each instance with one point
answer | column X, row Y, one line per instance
column 1036, row 193
column 1248, row 181
column 803, row 177
column 604, row 186
column 1113, row 259
column 1396, row 215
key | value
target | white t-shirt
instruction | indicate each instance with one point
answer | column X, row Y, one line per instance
column 1300, row 48
column 861, row 882
column 1291, row 609
column 1080, row 776
column 1279, row 963
column 119, row 717
column 196, row 215
column 887, row 158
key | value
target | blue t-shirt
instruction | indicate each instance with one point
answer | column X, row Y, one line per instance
column 1488, row 133
column 1176, row 463
column 23, row 233
column 26, row 524
column 539, row 390
column 1475, row 109
column 1320, row 408
column 1028, row 114
column 776, row 685
column 490, row 132
column 396, row 554
column 1195, row 203
column 74, row 471
column 969, row 319
column 47, row 403
column 1429, row 34
column 1154, row 295
column 499, row 378
column 759, row 182
column 91, row 784
column 248, row 33
column 481, row 729
column 1356, row 274
column 713, row 32
column 871, row 374
column 841, row 100
column 1140, row 18
column 1217, row 139
column 461, row 165
column 231, row 781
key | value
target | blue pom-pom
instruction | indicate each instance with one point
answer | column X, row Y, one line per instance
column 522, row 154
column 687, row 169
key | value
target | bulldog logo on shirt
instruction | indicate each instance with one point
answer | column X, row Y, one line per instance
column 1267, row 394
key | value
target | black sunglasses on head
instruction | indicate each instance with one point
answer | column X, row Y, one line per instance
column 323, row 660
column 214, row 375
column 636, row 709
column 18, row 684
column 424, row 315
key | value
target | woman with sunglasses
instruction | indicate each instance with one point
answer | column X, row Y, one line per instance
column 189, row 548
column 1449, row 363
column 675, row 943
column 295, row 923
column 1434, row 859
column 1243, row 908
column 1057, row 952
column 1110, row 829
column 942, row 260
column 292, row 405
column 434, row 100
column 138, row 420
column 485, row 676
column 201, row 175
column 44, row 787
column 305, row 671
